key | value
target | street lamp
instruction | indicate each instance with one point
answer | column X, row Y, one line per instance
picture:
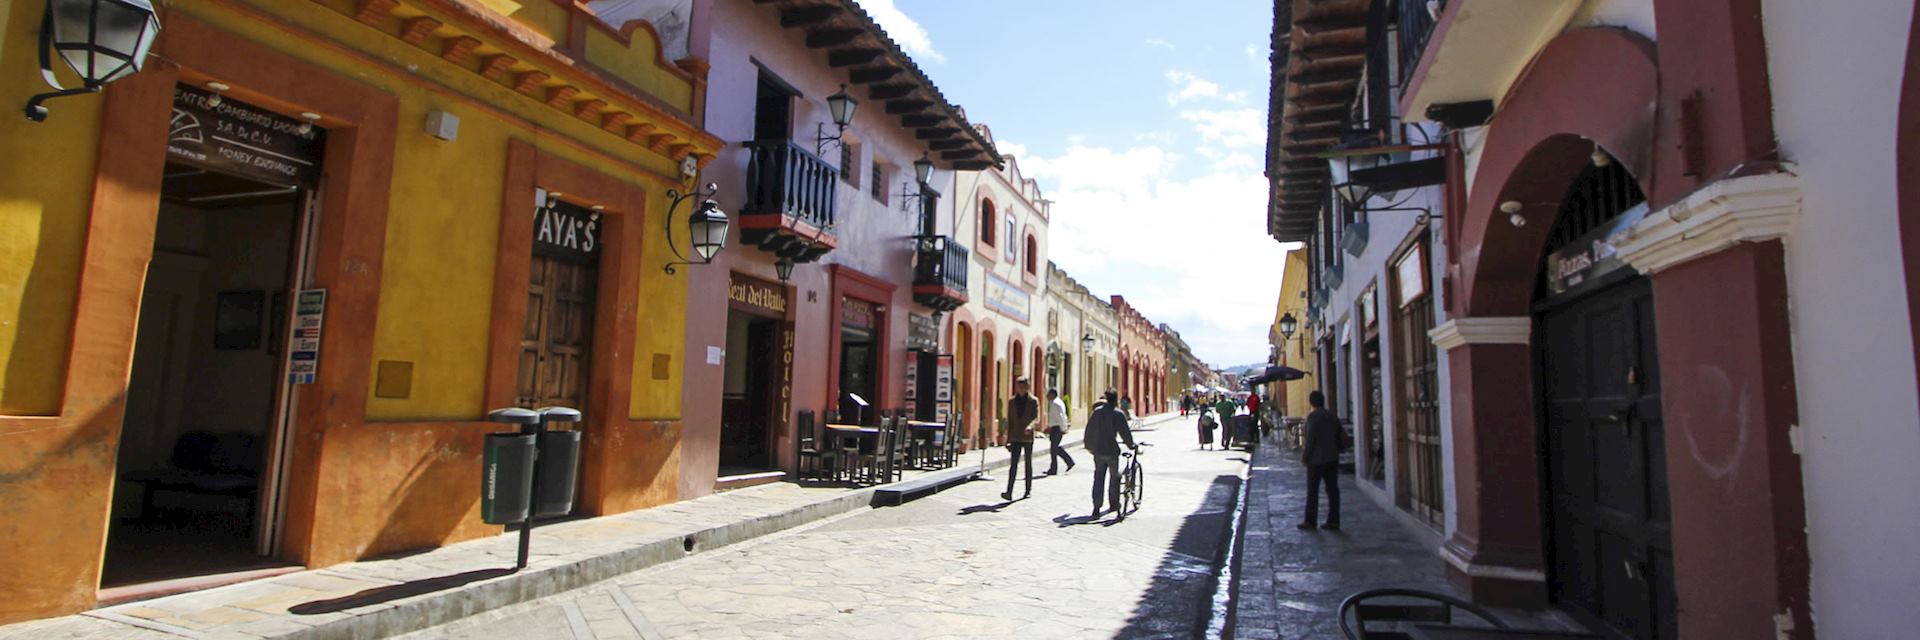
column 1288, row 325
column 784, row 268
column 706, row 226
column 1086, row 342
column 841, row 106
column 923, row 168
column 100, row 40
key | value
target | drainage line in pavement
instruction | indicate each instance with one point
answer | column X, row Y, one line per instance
column 1220, row 625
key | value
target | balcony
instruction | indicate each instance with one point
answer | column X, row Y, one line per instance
column 940, row 274
column 1475, row 52
column 790, row 205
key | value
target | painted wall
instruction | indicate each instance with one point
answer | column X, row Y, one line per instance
column 1018, row 198
column 874, row 237
column 1297, row 352
column 399, row 476
column 1859, row 429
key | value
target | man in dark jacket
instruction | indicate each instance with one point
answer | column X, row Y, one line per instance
column 1321, row 455
column 1106, row 428
column 1022, row 411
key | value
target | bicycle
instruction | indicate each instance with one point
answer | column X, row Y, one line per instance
column 1132, row 480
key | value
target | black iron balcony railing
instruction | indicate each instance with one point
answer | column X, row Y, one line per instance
column 784, row 178
column 940, row 273
column 1415, row 26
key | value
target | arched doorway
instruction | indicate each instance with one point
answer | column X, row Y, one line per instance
column 984, row 408
column 964, row 377
column 1608, row 524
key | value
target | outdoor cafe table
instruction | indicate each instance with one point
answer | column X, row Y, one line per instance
column 869, row 437
column 928, row 430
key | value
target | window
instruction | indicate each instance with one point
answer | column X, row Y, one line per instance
column 1013, row 252
column 850, row 164
column 879, row 186
column 1033, row 255
column 987, row 220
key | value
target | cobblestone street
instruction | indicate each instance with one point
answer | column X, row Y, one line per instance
column 959, row 564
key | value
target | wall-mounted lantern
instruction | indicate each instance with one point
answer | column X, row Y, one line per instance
column 1086, row 342
column 919, row 190
column 706, row 226
column 1288, row 325
column 841, row 106
column 783, row 268
column 100, row 40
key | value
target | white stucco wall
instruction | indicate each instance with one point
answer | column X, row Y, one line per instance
column 1836, row 72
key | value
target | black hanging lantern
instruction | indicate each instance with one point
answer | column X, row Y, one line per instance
column 100, row 40
column 841, row 106
column 783, row 268
column 706, row 226
column 923, row 169
column 1288, row 325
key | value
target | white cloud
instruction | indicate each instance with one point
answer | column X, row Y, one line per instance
column 1257, row 53
column 1231, row 128
column 1156, row 42
column 1187, row 247
column 1188, row 86
column 1011, row 148
column 903, row 29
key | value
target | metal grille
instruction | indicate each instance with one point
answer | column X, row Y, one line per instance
column 1419, row 411
column 1598, row 194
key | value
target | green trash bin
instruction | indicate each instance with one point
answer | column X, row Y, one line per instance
column 559, row 473
column 506, row 478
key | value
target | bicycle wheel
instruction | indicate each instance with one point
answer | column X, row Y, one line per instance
column 1133, row 487
column 1139, row 485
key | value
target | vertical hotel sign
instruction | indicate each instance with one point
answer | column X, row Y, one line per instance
column 303, row 360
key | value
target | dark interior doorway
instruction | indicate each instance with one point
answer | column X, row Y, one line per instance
column 203, row 396
column 857, row 377
column 772, row 109
column 748, row 404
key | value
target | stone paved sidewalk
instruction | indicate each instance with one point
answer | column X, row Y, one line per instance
column 387, row 597
column 1289, row 582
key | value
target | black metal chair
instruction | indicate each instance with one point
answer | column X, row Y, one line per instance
column 1366, row 607
column 904, row 445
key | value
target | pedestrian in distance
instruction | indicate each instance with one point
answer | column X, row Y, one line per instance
column 1207, row 424
column 1321, row 456
column 1106, row 429
column 1186, row 404
column 1126, row 406
column 1056, row 430
column 1022, row 413
column 1226, row 407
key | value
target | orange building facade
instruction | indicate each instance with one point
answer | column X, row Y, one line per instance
column 247, row 286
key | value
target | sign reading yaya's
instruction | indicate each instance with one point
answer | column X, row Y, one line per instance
column 566, row 232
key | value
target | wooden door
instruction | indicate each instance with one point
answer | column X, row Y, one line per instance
column 1609, row 528
column 1418, row 411
column 556, row 341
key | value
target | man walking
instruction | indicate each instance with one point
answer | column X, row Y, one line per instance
column 1321, row 455
column 1105, row 429
column 1022, row 411
column 1056, row 430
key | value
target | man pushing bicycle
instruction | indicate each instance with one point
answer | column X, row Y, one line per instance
column 1106, row 428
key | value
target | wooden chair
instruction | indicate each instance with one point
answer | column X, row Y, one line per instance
column 814, row 461
column 904, row 445
column 1403, row 605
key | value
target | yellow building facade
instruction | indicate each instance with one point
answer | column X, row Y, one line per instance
column 305, row 250
column 1292, row 352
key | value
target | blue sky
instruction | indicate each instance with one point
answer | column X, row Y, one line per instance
column 1145, row 123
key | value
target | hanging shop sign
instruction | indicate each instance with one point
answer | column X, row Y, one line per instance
column 566, row 232
column 1007, row 298
column 754, row 295
column 1584, row 262
column 241, row 139
column 943, row 388
column 923, row 332
column 303, row 360
column 856, row 313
